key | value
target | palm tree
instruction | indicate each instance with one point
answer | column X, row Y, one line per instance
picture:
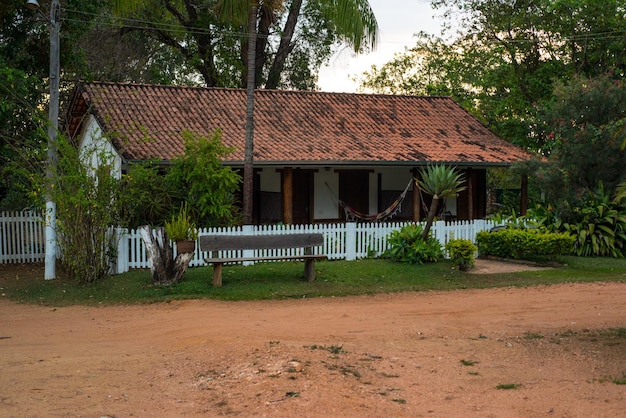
column 441, row 182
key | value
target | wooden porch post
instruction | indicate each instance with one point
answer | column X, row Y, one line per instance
column 523, row 204
column 417, row 214
column 288, row 195
column 470, row 193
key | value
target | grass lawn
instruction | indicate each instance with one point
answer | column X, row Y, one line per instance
column 285, row 280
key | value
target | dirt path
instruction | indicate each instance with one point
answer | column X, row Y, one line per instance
column 406, row 355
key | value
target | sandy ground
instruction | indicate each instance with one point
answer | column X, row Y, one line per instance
column 552, row 351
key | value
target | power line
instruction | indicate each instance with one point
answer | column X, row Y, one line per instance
column 133, row 23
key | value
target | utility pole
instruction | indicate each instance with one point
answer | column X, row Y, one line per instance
column 53, row 126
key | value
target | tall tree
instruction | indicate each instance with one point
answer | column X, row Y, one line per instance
column 294, row 36
column 585, row 125
column 24, row 82
column 506, row 56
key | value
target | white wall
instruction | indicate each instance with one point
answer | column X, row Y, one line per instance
column 270, row 180
column 96, row 149
column 395, row 178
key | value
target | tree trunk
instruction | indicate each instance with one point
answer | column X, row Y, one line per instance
column 165, row 269
column 431, row 216
column 285, row 47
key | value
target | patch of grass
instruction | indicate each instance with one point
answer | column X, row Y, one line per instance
column 284, row 280
column 468, row 362
column 398, row 400
column 473, row 373
column 621, row 381
column 533, row 336
column 618, row 333
column 345, row 370
column 333, row 349
column 508, row 386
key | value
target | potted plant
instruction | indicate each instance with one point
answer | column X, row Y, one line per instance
column 182, row 230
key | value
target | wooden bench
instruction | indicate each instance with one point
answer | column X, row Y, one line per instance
column 215, row 243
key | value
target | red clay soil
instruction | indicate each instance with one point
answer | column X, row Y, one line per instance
column 546, row 351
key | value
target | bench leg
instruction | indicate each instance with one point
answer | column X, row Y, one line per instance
column 309, row 270
column 217, row 274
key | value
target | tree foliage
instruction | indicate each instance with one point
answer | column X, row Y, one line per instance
column 152, row 194
column 204, row 182
column 294, row 37
column 583, row 128
column 24, row 71
column 507, row 55
column 20, row 137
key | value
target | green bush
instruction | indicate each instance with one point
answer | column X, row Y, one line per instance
column 519, row 243
column 598, row 225
column 87, row 206
column 406, row 245
column 461, row 252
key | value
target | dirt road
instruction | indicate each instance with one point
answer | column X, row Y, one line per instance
column 547, row 351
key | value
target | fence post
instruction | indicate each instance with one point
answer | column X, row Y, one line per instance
column 122, row 251
column 440, row 232
column 350, row 241
column 479, row 225
column 248, row 230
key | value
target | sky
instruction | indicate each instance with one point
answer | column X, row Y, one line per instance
column 397, row 20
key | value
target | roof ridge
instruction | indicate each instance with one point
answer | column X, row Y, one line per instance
column 259, row 90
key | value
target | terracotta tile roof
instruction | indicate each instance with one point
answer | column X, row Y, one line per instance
column 292, row 126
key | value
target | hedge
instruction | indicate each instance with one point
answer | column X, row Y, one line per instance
column 520, row 243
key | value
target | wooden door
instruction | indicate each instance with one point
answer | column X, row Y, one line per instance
column 354, row 191
column 302, row 193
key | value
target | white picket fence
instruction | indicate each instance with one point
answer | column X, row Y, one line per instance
column 348, row 241
column 22, row 239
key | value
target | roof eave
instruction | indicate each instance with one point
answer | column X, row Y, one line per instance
column 344, row 163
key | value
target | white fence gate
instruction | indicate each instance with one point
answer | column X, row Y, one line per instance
column 22, row 239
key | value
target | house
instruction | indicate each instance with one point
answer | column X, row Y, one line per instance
column 318, row 157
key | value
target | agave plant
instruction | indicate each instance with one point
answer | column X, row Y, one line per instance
column 441, row 182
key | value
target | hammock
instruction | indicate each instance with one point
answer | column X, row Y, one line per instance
column 353, row 214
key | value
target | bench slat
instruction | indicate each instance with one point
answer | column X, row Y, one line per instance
column 260, row 242
column 262, row 259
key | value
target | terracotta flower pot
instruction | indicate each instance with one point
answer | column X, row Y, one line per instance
column 187, row 246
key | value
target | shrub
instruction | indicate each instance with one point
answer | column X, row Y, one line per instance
column 461, row 253
column 598, row 226
column 87, row 208
column 518, row 243
column 406, row 245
